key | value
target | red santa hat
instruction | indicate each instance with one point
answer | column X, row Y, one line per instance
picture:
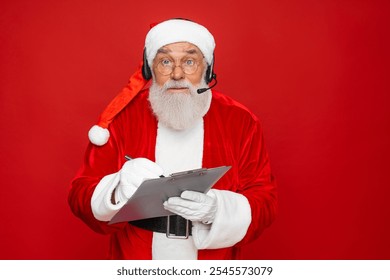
column 164, row 33
column 99, row 134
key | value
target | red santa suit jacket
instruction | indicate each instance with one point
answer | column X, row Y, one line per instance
column 232, row 136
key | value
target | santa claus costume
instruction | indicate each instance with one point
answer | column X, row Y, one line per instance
column 228, row 134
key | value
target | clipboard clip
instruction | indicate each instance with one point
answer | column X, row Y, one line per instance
column 174, row 236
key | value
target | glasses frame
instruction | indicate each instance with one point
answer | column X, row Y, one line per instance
column 168, row 70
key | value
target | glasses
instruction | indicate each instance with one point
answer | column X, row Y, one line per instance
column 166, row 66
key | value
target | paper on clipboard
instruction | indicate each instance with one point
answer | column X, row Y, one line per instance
column 147, row 201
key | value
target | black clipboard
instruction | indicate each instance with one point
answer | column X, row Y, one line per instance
column 147, row 201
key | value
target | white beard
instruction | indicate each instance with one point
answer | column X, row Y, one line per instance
column 179, row 111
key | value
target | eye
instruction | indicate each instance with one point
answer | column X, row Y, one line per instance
column 189, row 62
column 166, row 62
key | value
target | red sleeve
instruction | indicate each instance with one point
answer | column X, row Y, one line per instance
column 256, row 182
column 98, row 162
column 126, row 137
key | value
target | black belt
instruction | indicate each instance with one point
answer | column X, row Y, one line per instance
column 173, row 226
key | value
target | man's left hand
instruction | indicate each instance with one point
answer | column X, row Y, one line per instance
column 194, row 206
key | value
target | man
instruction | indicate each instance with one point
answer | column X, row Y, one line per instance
column 168, row 128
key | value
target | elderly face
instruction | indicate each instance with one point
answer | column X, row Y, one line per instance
column 178, row 61
column 178, row 71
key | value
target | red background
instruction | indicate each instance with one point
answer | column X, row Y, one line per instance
column 315, row 72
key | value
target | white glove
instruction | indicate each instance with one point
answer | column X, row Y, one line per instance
column 194, row 206
column 132, row 174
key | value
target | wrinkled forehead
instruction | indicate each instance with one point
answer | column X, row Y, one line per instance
column 180, row 49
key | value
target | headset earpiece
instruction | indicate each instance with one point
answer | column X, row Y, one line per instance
column 210, row 75
column 146, row 72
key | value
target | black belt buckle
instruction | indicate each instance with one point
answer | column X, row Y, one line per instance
column 175, row 236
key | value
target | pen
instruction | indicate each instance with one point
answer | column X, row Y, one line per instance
column 130, row 158
column 127, row 157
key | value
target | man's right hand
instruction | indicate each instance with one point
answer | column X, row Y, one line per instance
column 132, row 174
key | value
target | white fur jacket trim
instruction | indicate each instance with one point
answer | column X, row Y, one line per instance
column 102, row 207
column 230, row 225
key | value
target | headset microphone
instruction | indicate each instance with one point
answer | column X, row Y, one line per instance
column 202, row 90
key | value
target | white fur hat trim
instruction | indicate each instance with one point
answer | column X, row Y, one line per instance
column 179, row 30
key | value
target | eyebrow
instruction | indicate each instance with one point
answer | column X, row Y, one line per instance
column 192, row 51
column 165, row 51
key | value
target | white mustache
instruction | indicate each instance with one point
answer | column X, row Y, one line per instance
column 176, row 84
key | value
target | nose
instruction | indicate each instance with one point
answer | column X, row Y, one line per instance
column 177, row 73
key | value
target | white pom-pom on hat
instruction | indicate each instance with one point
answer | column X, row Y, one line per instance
column 98, row 135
